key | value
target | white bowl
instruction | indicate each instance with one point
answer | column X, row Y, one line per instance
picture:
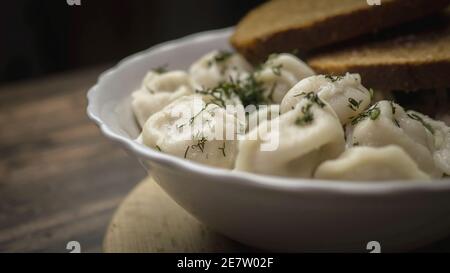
column 272, row 213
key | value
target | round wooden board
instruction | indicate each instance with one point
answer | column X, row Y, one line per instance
column 148, row 220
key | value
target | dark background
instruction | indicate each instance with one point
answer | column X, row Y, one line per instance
column 43, row 37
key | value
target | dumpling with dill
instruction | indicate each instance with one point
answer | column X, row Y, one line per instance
column 387, row 123
column 295, row 143
column 345, row 94
column 441, row 139
column 158, row 89
column 279, row 74
column 194, row 129
column 218, row 66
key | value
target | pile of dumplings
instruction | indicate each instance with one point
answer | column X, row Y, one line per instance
column 324, row 127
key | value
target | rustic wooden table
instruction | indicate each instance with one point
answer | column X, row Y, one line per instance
column 60, row 180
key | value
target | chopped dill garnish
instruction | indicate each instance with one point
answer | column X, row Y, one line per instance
column 223, row 55
column 353, row 104
column 200, row 144
column 191, row 120
column 393, row 107
column 223, row 149
column 250, row 92
column 393, row 113
column 333, row 78
column 161, row 69
column 220, row 57
column 313, row 97
column 276, row 69
column 159, row 148
column 424, row 123
column 307, row 117
column 220, row 93
column 373, row 113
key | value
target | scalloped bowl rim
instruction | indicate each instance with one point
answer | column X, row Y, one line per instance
column 265, row 181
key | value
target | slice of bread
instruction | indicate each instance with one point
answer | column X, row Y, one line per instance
column 416, row 59
column 303, row 25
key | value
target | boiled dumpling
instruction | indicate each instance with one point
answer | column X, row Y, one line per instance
column 371, row 164
column 345, row 94
column 386, row 123
column 158, row 90
column 279, row 73
column 295, row 143
column 441, row 139
column 218, row 66
column 193, row 129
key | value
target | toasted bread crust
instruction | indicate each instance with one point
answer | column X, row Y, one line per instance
column 268, row 28
column 401, row 76
column 405, row 61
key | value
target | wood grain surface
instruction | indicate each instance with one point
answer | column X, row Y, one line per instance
column 60, row 180
column 148, row 220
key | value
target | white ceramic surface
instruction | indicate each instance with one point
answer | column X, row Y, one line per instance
column 271, row 213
